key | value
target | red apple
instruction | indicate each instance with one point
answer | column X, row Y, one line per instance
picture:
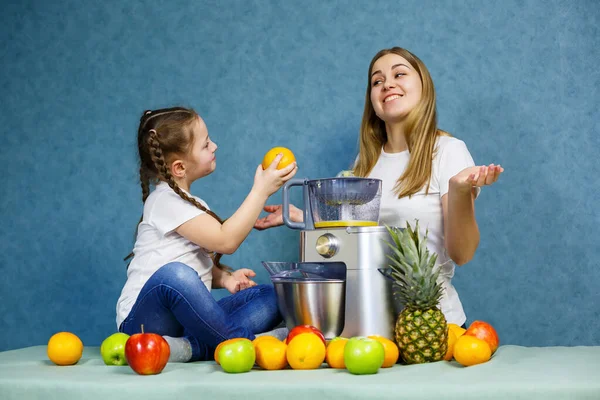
column 147, row 353
column 486, row 332
column 305, row 329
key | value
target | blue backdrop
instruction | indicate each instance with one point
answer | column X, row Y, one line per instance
column 518, row 81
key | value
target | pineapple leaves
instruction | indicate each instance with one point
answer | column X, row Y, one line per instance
column 412, row 267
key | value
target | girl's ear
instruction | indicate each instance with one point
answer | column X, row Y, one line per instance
column 178, row 169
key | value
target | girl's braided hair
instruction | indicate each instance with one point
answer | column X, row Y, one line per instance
column 161, row 135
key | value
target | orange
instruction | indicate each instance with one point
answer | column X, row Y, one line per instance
column 216, row 355
column 335, row 353
column 259, row 339
column 270, row 353
column 306, row 351
column 390, row 348
column 452, row 338
column 287, row 159
column 469, row 350
column 458, row 330
column 64, row 348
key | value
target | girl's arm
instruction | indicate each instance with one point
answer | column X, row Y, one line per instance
column 225, row 238
column 458, row 207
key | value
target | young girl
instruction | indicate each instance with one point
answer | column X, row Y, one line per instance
column 179, row 242
column 426, row 174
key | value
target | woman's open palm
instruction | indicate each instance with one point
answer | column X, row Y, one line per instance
column 476, row 176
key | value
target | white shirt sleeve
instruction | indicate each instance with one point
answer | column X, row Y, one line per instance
column 170, row 211
column 453, row 158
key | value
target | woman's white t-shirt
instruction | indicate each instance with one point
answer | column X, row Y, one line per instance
column 450, row 157
column 158, row 244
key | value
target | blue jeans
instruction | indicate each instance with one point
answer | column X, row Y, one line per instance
column 175, row 302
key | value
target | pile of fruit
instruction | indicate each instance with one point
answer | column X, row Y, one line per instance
column 306, row 348
column 471, row 346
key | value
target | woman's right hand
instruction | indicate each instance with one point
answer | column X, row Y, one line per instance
column 269, row 180
column 275, row 217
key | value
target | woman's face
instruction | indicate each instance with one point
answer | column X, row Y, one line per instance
column 395, row 87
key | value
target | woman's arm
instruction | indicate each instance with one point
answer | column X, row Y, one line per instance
column 458, row 207
column 460, row 227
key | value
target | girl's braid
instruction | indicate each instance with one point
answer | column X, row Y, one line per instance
column 145, row 182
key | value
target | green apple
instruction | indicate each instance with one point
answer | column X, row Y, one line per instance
column 112, row 349
column 363, row 355
column 237, row 357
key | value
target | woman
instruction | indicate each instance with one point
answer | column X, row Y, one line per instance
column 426, row 174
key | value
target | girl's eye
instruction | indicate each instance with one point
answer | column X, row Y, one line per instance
column 400, row 74
column 375, row 83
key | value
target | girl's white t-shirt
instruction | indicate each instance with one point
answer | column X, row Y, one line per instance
column 158, row 244
column 450, row 157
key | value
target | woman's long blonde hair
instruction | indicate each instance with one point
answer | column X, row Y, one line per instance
column 421, row 131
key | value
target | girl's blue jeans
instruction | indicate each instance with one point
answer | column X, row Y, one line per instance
column 175, row 302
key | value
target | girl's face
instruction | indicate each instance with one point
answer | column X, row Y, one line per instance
column 395, row 87
column 202, row 159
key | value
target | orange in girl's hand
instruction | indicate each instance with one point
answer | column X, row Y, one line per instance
column 390, row 349
column 306, row 351
column 287, row 159
column 216, row 355
column 335, row 353
column 270, row 353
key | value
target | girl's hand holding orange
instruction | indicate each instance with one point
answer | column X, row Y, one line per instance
column 268, row 181
column 286, row 159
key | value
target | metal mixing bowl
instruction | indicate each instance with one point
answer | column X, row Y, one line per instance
column 311, row 294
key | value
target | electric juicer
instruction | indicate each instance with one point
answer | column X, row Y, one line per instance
column 341, row 217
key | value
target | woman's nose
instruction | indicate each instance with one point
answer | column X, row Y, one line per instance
column 389, row 84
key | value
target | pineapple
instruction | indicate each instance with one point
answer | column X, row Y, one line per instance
column 421, row 331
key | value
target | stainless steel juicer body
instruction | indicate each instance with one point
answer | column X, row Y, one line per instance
column 369, row 306
column 340, row 224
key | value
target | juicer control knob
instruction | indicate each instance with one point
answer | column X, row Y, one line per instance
column 327, row 245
